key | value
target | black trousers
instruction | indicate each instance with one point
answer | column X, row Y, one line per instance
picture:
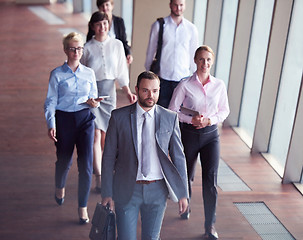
column 206, row 142
column 75, row 129
column 166, row 92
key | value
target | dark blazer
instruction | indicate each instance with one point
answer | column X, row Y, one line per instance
column 120, row 32
column 120, row 156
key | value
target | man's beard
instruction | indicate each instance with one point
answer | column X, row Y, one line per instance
column 176, row 14
column 143, row 102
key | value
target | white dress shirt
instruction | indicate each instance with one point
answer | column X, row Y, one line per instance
column 155, row 167
column 107, row 59
column 111, row 31
column 179, row 45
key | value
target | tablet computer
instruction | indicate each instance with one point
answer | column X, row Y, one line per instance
column 104, row 96
column 188, row 111
column 97, row 99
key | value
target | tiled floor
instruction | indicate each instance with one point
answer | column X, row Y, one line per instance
column 29, row 49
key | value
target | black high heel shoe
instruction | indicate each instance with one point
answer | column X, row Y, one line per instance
column 82, row 221
column 59, row 201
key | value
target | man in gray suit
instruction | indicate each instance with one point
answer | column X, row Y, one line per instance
column 134, row 180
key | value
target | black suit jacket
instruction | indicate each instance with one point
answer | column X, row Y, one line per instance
column 121, row 33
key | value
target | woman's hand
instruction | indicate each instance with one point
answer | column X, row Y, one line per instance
column 94, row 102
column 129, row 59
column 199, row 121
column 131, row 97
column 52, row 134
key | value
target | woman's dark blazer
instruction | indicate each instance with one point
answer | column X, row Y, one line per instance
column 121, row 33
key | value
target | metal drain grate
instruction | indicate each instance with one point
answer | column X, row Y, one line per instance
column 264, row 221
column 228, row 180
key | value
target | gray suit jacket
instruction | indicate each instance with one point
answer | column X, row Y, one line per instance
column 120, row 156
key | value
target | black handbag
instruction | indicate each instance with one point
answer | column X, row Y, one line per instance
column 103, row 224
column 155, row 66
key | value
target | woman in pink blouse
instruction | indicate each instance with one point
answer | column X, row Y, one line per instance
column 201, row 103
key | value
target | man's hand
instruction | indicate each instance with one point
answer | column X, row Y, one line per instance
column 108, row 201
column 183, row 204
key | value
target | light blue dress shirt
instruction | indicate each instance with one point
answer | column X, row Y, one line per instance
column 68, row 91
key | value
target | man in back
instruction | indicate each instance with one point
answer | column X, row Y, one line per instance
column 180, row 41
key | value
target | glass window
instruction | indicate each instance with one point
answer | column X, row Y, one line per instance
column 199, row 18
column 127, row 15
column 226, row 41
column 255, row 65
column 87, row 7
column 289, row 87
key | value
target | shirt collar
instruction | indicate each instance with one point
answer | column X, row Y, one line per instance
column 66, row 68
column 172, row 21
column 103, row 42
column 210, row 78
column 141, row 111
column 80, row 68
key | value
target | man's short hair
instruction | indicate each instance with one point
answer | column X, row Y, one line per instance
column 171, row 1
column 147, row 75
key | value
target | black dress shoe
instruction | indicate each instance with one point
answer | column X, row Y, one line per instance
column 186, row 214
column 59, row 201
column 83, row 221
column 210, row 233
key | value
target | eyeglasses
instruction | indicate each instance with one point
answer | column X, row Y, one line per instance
column 74, row 49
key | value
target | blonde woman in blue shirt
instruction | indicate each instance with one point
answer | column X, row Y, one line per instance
column 72, row 91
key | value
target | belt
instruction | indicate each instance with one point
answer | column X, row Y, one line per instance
column 191, row 127
column 147, row 182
